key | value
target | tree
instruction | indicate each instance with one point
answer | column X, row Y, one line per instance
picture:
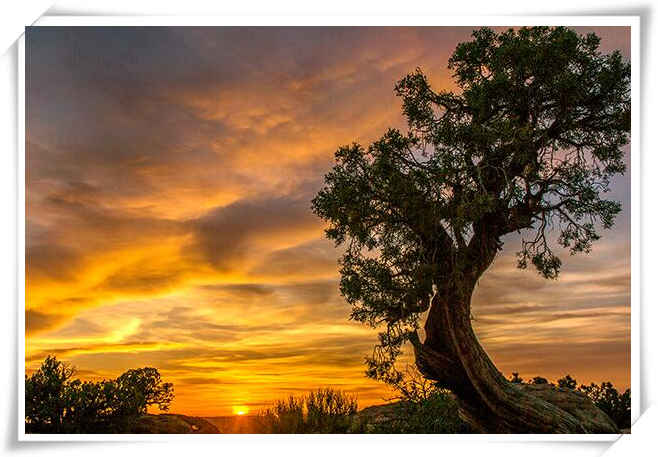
column 56, row 403
column 45, row 404
column 567, row 382
column 516, row 379
column 529, row 142
column 143, row 387
column 538, row 380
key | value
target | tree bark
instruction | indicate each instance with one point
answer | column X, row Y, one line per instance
column 452, row 356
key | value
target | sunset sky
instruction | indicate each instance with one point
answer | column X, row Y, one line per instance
column 169, row 176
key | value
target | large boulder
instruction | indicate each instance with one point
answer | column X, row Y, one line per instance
column 378, row 414
column 575, row 403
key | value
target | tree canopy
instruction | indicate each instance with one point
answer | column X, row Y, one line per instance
column 527, row 143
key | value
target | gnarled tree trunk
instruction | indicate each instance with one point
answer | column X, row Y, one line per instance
column 452, row 355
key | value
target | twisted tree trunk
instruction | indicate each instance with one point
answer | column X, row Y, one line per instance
column 452, row 356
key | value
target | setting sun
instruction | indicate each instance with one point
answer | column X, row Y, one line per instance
column 240, row 410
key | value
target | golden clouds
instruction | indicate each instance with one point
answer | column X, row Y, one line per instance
column 169, row 224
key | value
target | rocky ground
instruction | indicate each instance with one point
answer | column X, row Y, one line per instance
column 234, row 424
column 571, row 401
column 174, row 424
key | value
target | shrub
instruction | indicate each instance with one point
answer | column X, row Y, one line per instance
column 438, row 413
column 516, row 379
column 321, row 411
column 422, row 407
column 54, row 403
column 286, row 416
column 567, row 382
column 330, row 411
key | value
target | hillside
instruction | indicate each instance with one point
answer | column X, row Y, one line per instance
column 234, row 424
column 173, row 424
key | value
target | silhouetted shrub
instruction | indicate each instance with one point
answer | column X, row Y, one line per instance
column 54, row 403
column 567, row 382
column 516, row 379
column 321, row 411
column 330, row 411
column 437, row 413
column 422, row 407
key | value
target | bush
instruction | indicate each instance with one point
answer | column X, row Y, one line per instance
column 286, row 416
column 567, row 382
column 422, row 407
column 516, row 379
column 437, row 413
column 321, row 411
column 54, row 403
column 330, row 411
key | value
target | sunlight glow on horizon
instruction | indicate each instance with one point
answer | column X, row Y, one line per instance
column 240, row 410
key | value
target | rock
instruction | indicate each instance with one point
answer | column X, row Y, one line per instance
column 368, row 419
column 378, row 414
column 173, row 424
column 235, row 424
column 575, row 403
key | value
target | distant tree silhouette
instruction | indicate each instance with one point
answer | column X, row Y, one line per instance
column 56, row 403
column 516, row 379
column 610, row 401
column 141, row 388
column 46, row 393
column 530, row 141
column 567, row 382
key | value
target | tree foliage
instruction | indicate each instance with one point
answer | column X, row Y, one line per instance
column 528, row 143
column 56, row 403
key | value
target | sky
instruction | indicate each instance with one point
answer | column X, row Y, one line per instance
column 169, row 173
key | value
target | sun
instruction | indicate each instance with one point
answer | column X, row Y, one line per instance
column 240, row 410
